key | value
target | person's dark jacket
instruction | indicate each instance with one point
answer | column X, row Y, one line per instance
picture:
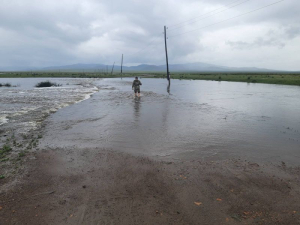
column 136, row 84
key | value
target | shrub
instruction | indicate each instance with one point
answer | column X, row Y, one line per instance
column 47, row 84
column 5, row 85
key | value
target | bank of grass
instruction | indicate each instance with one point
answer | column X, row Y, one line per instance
column 285, row 79
column 268, row 78
column 62, row 75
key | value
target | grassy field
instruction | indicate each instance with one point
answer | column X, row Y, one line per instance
column 268, row 78
column 287, row 79
column 59, row 74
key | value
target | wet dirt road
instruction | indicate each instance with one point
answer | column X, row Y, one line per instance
column 98, row 186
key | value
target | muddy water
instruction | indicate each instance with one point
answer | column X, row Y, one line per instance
column 24, row 107
column 204, row 119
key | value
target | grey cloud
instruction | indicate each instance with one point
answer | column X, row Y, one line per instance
column 46, row 33
column 293, row 32
column 274, row 38
column 257, row 43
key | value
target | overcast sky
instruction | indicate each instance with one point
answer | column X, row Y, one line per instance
column 40, row 33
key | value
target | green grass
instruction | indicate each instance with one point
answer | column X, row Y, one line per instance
column 286, row 79
column 22, row 154
column 268, row 78
column 4, row 151
column 61, row 74
column 4, row 160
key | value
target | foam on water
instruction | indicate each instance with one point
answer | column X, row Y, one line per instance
column 22, row 109
column 87, row 96
column 3, row 119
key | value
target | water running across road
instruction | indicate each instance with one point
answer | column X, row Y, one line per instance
column 197, row 119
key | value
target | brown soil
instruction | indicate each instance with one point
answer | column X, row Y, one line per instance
column 98, row 186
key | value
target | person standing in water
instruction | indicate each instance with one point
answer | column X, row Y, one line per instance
column 136, row 87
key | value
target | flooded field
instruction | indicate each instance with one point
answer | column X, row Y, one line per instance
column 203, row 119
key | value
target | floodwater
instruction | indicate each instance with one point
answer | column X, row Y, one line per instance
column 205, row 119
column 24, row 107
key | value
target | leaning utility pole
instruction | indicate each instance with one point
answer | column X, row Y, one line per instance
column 168, row 74
column 112, row 70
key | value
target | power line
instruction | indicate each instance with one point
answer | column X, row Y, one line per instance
column 204, row 14
column 228, row 19
column 195, row 21
column 151, row 43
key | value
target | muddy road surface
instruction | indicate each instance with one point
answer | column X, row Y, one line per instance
column 100, row 186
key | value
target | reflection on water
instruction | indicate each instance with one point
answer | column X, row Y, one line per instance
column 137, row 105
column 199, row 119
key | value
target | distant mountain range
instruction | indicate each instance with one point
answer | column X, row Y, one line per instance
column 188, row 67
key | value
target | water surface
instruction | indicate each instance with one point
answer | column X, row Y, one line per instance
column 23, row 107
column 196, row 119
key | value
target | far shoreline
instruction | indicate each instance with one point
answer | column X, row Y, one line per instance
column 284, row 78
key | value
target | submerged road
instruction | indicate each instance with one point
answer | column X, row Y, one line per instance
column 197, row 119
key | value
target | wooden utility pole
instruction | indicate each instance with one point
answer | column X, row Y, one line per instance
column 112, row 70
column 166, row 48
column 122, row 64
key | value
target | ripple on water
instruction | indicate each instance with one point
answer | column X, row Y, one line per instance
column 23, row 109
